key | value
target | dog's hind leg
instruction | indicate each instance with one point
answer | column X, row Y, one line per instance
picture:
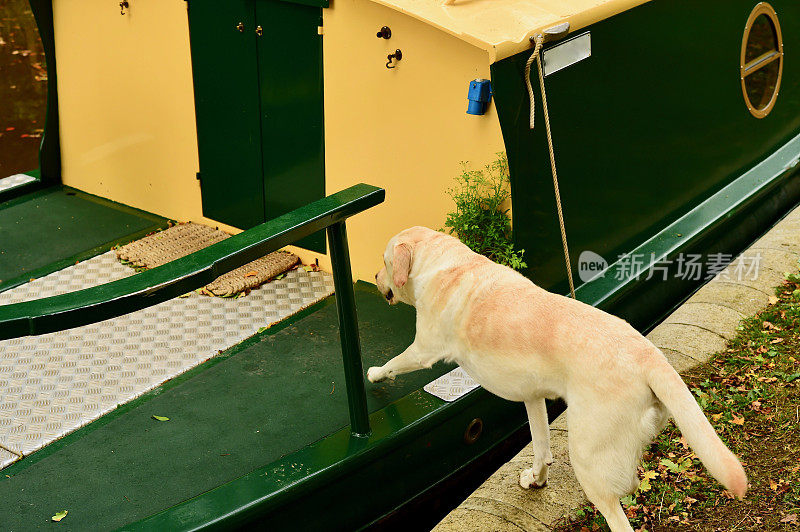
column 536, row 476
column 611, row 509
column 604, row 449
column 412, row 359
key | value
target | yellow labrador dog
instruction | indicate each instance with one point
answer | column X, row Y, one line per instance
column 526, row 344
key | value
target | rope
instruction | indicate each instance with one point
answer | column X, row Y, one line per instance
column 534, row 55
column 538, row 56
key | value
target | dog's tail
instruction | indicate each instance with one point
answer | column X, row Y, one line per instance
column 672, row 391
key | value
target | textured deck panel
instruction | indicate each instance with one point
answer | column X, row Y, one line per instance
column 55, row 383
column 688, row 337
column 15, row 180
column 7, row 458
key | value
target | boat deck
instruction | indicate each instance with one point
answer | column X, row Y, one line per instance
column 275, row 393
column 52, row 384
column 47, row 230
column 258, row 431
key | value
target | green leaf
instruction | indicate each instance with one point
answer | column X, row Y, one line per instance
column 262, row 329
column 280, row 276
column 669, row 464
column 60, row 515
column 160, row 418
column 630, row 500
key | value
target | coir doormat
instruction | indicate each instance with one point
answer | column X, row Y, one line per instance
column 182, row 239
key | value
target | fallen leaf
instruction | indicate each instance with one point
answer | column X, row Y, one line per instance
column 672, row 466
column 791, row 518
column 773, row 300
column 160, row 418
column 737, row 420
column 251, row 274
column 60, row 515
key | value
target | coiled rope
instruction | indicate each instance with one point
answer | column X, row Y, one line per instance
column 539, row 40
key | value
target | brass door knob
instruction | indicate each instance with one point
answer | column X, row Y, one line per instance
column 240, row 27
column 259, row 31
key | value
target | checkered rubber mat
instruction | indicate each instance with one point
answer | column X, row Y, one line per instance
column 11, row 182
column 53, row 384
column 451, row 385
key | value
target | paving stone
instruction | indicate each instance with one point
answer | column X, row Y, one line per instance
column 759, row 268
column 783, row 238
column 679, row 361
column 743, row 299
column 463, row 519
column 715, row 318
column 776, row 259
column 689, row 340
column 514, row 514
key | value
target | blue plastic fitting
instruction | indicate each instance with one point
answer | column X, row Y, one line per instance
column 480, row 94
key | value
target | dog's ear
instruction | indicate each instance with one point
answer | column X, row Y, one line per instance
column 401, row 264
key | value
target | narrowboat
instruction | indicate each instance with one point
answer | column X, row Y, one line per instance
column 640, row 136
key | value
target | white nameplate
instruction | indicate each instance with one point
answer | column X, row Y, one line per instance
column 567, row 53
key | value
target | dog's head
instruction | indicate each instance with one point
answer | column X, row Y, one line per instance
column 392, row 279
column 395, row 279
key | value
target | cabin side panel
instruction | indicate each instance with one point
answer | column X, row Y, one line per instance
column 404, row 129
column 126, row 104
column 645, row 129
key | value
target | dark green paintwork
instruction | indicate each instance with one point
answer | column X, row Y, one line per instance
column 647, row 128
column 728, row 220
column 312, row 3
column 290, row 96
column 348, row 329
column 183, row 275
column 48, row 230
column 258, row 102
column 50, row 149
column 226, row 105
column 266, row 399
column 347, row 483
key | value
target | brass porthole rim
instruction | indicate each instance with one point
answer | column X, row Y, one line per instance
column 762, row 8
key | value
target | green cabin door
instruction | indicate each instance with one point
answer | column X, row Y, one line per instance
column 258, row 99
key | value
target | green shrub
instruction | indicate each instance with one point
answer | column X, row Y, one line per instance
column 479, row 220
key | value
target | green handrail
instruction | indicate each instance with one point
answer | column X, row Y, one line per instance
column 193, row 271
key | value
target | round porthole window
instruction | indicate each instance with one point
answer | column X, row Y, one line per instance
column 761, row 63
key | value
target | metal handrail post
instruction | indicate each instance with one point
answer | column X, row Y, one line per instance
column 348, row 329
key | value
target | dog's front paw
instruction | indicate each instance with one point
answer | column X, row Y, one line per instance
column 375, row 374
column 527, row 479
